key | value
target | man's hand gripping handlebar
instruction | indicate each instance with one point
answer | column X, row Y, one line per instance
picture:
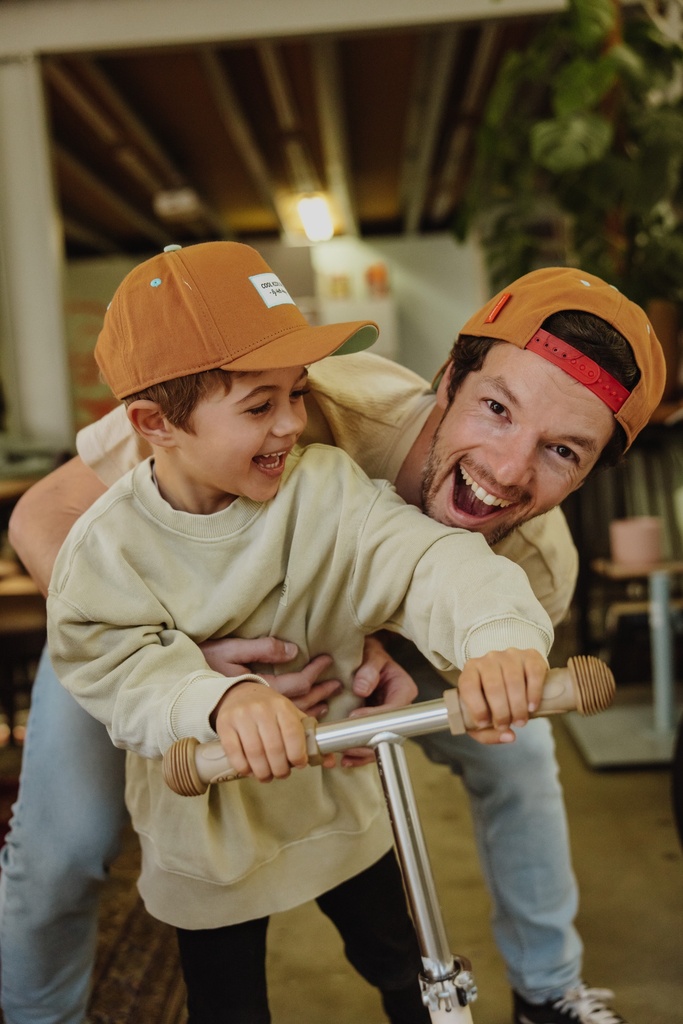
column 586, row 685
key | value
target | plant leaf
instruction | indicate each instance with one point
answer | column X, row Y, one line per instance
column 581, row 84
column 592, row 21
column 569, row 143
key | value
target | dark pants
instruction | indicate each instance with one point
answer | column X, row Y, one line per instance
column 224, row 968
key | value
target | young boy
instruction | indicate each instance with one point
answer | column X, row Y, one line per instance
column 230, row 530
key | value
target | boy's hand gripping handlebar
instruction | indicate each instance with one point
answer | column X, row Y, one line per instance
column 586, row 685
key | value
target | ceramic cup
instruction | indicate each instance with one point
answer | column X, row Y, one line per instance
column 636, row 541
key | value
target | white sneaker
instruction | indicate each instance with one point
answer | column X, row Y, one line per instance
column 580, row 1005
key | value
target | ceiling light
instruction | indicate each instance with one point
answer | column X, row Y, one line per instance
column 316, row 218
column 178, row 205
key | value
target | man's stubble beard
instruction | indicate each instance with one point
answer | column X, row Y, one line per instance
column 431, row 472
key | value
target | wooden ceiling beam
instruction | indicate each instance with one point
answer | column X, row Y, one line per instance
column 134, row 128
column 238, row 130
column 302, row 173
column 80, row 234
column 333, row 131
column 102, row 193
column 132, row 145
column 436, row 58
column 470, row 109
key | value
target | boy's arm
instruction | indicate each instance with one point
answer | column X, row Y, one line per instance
column 545, row 549
column 442, row 588
column 447, row 592
column 150, row 686
column 115, row 646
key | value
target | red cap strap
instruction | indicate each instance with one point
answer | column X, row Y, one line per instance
column 579, row 366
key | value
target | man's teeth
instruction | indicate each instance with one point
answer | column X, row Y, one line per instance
column 479, row 492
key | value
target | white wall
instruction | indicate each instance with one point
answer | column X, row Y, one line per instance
column 436, row 284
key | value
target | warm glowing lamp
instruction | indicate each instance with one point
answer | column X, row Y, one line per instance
column 315, row 218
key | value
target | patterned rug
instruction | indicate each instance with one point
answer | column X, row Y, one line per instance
column 137, row 974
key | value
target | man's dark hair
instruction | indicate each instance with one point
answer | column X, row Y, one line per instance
column 585, row 332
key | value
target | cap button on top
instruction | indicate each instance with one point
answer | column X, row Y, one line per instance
column 172, row 248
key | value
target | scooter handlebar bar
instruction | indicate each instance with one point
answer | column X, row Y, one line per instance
column 586, row 685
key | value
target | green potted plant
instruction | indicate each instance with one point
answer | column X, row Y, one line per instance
column 579, row 156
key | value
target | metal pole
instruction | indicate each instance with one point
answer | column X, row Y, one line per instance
column 412, row 850
column 447, row 983
column 662, row 652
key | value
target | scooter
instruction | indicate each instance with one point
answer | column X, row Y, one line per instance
column 448, row 987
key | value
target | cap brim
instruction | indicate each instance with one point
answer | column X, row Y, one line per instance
column 307, row 345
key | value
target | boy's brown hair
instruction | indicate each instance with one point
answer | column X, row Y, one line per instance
column 179, row 397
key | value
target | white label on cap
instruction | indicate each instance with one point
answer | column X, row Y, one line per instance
column 271, row 290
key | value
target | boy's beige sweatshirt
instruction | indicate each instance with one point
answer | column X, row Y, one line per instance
column 332, row 557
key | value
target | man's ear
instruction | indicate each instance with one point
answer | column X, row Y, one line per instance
column 149, row 421
column 443, row 385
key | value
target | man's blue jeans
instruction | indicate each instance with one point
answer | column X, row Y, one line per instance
column 65, row 832
column 68, row 819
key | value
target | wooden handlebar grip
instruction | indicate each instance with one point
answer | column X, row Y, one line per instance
column 190, row 767
column 586, row 685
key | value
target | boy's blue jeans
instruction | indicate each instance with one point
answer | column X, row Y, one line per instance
column 68, row 819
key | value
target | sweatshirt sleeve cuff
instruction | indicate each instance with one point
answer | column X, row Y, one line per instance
column 499, row 634
column 190, row 711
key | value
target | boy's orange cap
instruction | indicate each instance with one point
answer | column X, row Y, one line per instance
column 216, row 304
column 516, row 313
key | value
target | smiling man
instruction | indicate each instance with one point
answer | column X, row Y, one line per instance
column 501, row 456
column 553, row 376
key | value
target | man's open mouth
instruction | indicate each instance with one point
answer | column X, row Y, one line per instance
column 472, row 498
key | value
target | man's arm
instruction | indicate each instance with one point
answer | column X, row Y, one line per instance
column 44, row 515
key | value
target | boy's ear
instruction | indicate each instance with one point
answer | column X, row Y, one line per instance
column 149, row 421
column 442, row 387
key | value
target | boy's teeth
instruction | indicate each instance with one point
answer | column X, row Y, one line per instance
column 270, row 461
column 479, row 492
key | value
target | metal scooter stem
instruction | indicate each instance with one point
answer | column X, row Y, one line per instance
column 446, row 981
